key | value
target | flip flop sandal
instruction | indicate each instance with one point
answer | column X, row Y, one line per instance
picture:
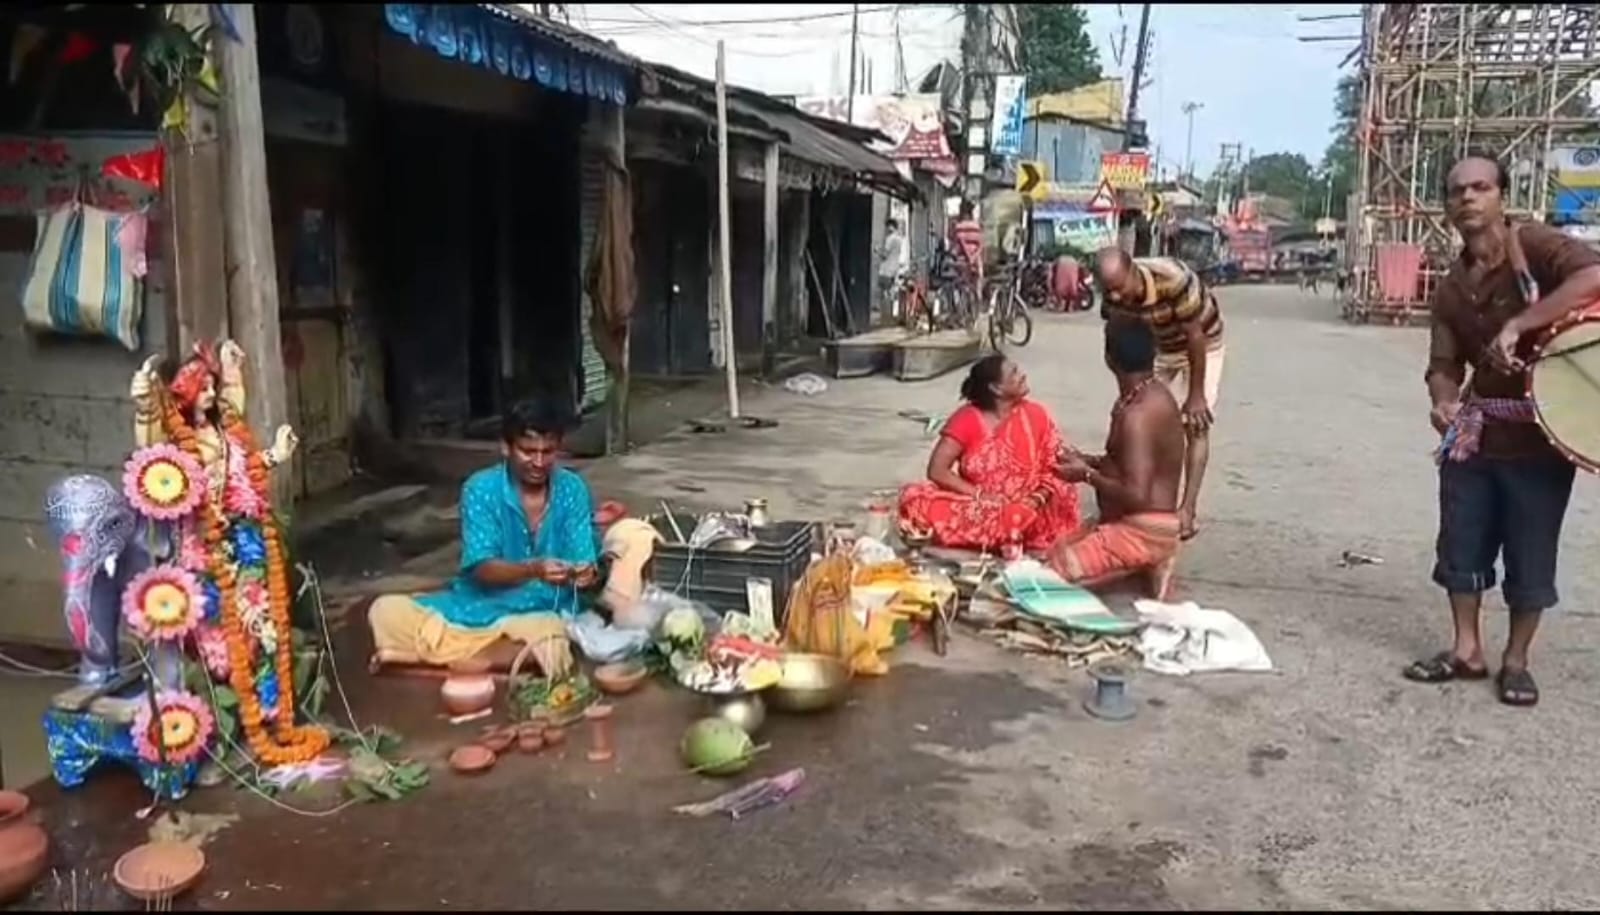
column 1518, row 688
column 757, row 422
column 1442, row 668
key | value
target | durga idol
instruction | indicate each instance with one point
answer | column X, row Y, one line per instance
column 233, row 543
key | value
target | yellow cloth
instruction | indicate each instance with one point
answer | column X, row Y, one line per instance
column 630, row 542
column 405, row 632
column 820, row 621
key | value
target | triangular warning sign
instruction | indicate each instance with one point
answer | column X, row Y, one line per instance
column 1104, row 199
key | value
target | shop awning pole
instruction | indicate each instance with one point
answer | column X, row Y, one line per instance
column 730, row 357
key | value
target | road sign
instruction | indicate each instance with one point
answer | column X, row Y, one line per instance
column 1030, row 179
column 1104, row 199
column 1154, row 207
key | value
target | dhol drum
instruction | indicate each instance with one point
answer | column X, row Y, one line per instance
column 1564, row 386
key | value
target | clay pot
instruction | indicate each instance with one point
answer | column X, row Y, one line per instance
column 530, row 742
column 469, row 688
column 554, row 737
column 24, row 847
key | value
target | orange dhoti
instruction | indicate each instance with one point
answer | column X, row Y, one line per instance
column 1146, row 542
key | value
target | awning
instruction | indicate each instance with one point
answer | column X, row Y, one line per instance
column 832, row 146
column 518, row 44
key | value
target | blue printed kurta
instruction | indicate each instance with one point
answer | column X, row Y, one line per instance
column 494, row 526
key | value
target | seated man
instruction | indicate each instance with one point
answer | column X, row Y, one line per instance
column 527, row 546
column 1136, row 483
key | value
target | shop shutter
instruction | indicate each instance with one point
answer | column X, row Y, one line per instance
column 595, row 379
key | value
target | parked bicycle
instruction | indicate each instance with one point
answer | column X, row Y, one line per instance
column 1008, row 316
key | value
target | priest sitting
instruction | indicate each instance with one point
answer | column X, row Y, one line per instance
column 528, row 546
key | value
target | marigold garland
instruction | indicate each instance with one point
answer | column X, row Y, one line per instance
column 287, row 743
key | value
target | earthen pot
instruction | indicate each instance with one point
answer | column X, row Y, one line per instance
column 472, row 759
column 469, row 688
column 530, row 742
column 24, row 847
column 554, row 737
column 499, row 738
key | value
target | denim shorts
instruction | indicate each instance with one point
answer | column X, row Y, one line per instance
column 1508, row 508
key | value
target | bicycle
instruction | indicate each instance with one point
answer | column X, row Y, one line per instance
column 1008, row 315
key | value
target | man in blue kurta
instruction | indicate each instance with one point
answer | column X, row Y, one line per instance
column 528, row 546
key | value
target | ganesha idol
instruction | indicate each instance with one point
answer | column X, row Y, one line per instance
column 189, row 556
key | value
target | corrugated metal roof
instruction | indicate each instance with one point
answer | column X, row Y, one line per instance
column 562, row 34
column 812, row 140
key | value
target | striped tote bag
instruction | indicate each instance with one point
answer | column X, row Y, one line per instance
column 81, row 280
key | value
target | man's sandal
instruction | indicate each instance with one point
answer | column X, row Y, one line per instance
column 1518, row 688
column 1442, row 668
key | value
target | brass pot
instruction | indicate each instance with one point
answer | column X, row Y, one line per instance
column 747, row 710
column 811, row 683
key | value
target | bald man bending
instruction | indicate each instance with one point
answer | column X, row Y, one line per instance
column 1165, row 294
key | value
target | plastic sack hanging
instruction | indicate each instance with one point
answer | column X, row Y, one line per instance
column 80, row 280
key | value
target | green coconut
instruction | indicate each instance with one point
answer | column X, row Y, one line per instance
column 716, row 746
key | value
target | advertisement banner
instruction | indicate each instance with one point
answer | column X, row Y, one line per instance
column 1010, row 100
column 911, row 122
column 1085, row 231
column 1125, row 171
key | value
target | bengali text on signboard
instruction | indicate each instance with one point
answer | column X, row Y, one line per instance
column 1125, row 171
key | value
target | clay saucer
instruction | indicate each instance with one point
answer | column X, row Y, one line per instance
column 621, row 678
column 498, row 738
column 159, row 870
column 472, row 759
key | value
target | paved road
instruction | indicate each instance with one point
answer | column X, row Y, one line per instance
column 977, row 780
column 1331, row 783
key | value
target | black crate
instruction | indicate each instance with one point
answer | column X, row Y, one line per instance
column 717, row 577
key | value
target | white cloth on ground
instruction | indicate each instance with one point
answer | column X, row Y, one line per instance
column 1181, row 639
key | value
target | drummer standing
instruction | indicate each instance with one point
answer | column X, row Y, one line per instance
column 1503, row 488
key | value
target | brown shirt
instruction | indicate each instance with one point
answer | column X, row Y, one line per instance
column 1467, row 317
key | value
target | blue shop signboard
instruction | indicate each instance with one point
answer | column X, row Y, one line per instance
column 474, row 35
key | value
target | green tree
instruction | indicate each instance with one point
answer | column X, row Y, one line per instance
column 1057, row 53
column 1339, row 161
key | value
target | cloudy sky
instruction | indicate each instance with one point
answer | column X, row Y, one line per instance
column 1259, row 85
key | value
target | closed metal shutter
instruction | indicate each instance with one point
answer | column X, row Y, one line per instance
column 595, row 378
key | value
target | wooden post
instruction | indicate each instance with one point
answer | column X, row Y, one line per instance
column 769, row 258
column 730, row 356
column 192, row 244
column 617, row 403
column 247, row 223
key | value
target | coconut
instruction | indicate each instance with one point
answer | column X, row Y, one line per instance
column 716, row 746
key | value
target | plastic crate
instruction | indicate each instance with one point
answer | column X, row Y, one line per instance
column 717, row 577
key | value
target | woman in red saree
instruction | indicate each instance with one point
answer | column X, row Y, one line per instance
column 991, row 479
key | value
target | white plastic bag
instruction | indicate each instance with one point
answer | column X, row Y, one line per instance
column 605, row 644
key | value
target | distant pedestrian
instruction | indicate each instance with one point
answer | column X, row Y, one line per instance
column 891, row 264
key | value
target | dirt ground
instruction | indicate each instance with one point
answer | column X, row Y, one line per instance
column 977, row 779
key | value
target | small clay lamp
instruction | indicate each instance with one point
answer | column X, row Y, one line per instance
column 599, row 716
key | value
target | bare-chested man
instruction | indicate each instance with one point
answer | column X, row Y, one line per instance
column 1167, row 295
column 1136, row 482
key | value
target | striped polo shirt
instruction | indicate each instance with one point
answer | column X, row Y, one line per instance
column 1174, row 296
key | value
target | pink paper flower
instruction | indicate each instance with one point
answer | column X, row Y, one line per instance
column 192, row 552
column 212, row 647
column 241, row 497
column 164, row 603
column 184, row 728
column 163, row 482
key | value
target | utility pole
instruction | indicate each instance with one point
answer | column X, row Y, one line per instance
column 1189, row 108
column 855, row 38
column 730, row 356
column 901, row 81
column 1139, row 58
